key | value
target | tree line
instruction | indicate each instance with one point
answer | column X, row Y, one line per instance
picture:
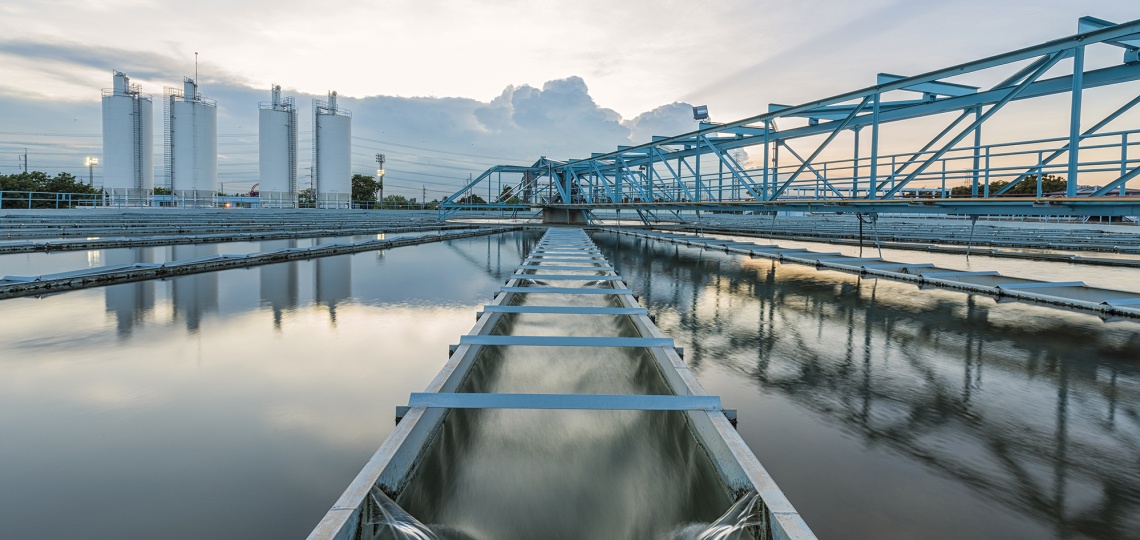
column 1049, row 184
column 365, row 191
column 43, row 188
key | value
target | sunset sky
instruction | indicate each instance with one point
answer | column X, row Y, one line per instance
column 450, row 88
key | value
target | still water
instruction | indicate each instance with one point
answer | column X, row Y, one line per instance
column 236, row 404
column 240, row 404
column 50, row 262
column 884, row 411
column 554, row 474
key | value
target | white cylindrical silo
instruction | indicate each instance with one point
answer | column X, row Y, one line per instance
column 277, row 145
column 332, row 154
column 192, row 146
column 128, row 143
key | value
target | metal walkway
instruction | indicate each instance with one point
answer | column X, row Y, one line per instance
column 83, row 244
column 16, row 286
column 929, row 234
column 88, row 223
column 1070, row 294
column 395, row 462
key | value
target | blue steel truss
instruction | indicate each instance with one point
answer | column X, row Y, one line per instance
column 698, row 170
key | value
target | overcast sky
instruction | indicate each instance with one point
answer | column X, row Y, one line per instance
column 462, row 85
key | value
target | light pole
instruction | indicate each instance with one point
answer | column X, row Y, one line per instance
column 91, row 163
column 380, row 177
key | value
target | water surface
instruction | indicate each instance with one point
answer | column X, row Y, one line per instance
column 236, row 404
column 886, row 411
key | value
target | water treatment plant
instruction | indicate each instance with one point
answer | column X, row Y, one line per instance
column 852, row 317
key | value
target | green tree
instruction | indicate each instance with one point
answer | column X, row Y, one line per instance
column 1049, row 184
column 364, row 188
column 507, row 196
column 470, row 199
column 396, row 201
column 46, row 187
column 306, row 198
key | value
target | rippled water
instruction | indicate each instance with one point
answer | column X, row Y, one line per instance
column 885, row 411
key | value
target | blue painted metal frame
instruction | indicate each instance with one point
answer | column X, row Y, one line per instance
column 666, row 173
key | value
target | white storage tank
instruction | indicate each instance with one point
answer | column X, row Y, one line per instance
column 191, row 145
column 332, row 154
column 128, row 143
column 277, row 145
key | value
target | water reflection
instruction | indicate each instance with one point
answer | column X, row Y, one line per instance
column 280, row 283
column 1032, row 408
column 257, row 428
column 129, row 302
column 281, row 288
column 521, row 474
column 195, row 296
column 334, row 281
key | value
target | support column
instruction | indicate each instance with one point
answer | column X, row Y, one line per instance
column 977, row 153
column 1075, row 120
column 873, row 182
column 1123, row 162
column 697, row 172
column 855, row 167
column 767, row 140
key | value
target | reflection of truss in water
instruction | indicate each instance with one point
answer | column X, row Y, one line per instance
column 491, row 262
column 1009, row 452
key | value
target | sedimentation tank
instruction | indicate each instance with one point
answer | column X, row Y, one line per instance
column 277, row 145
column 191, row 145
column 128, row 143
column 332, row 154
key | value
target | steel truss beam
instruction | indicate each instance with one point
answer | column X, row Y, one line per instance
column 668, row 173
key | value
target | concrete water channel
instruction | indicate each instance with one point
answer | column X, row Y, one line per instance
column 242, row 402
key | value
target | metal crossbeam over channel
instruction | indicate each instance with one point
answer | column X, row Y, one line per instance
column 565, row 268
column 566, row 310
column 566, row 341
column 566, row 277
column 599, row 260
column 563, row 290
column 598, row 402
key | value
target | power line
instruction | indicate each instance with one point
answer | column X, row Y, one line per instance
column 431, row 149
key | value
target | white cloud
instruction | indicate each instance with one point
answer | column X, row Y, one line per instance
column 671, row 119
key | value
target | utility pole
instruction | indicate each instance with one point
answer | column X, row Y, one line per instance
column 25, row 160
column 423, row 198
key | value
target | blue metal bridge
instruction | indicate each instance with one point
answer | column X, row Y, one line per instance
column 704, row 169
